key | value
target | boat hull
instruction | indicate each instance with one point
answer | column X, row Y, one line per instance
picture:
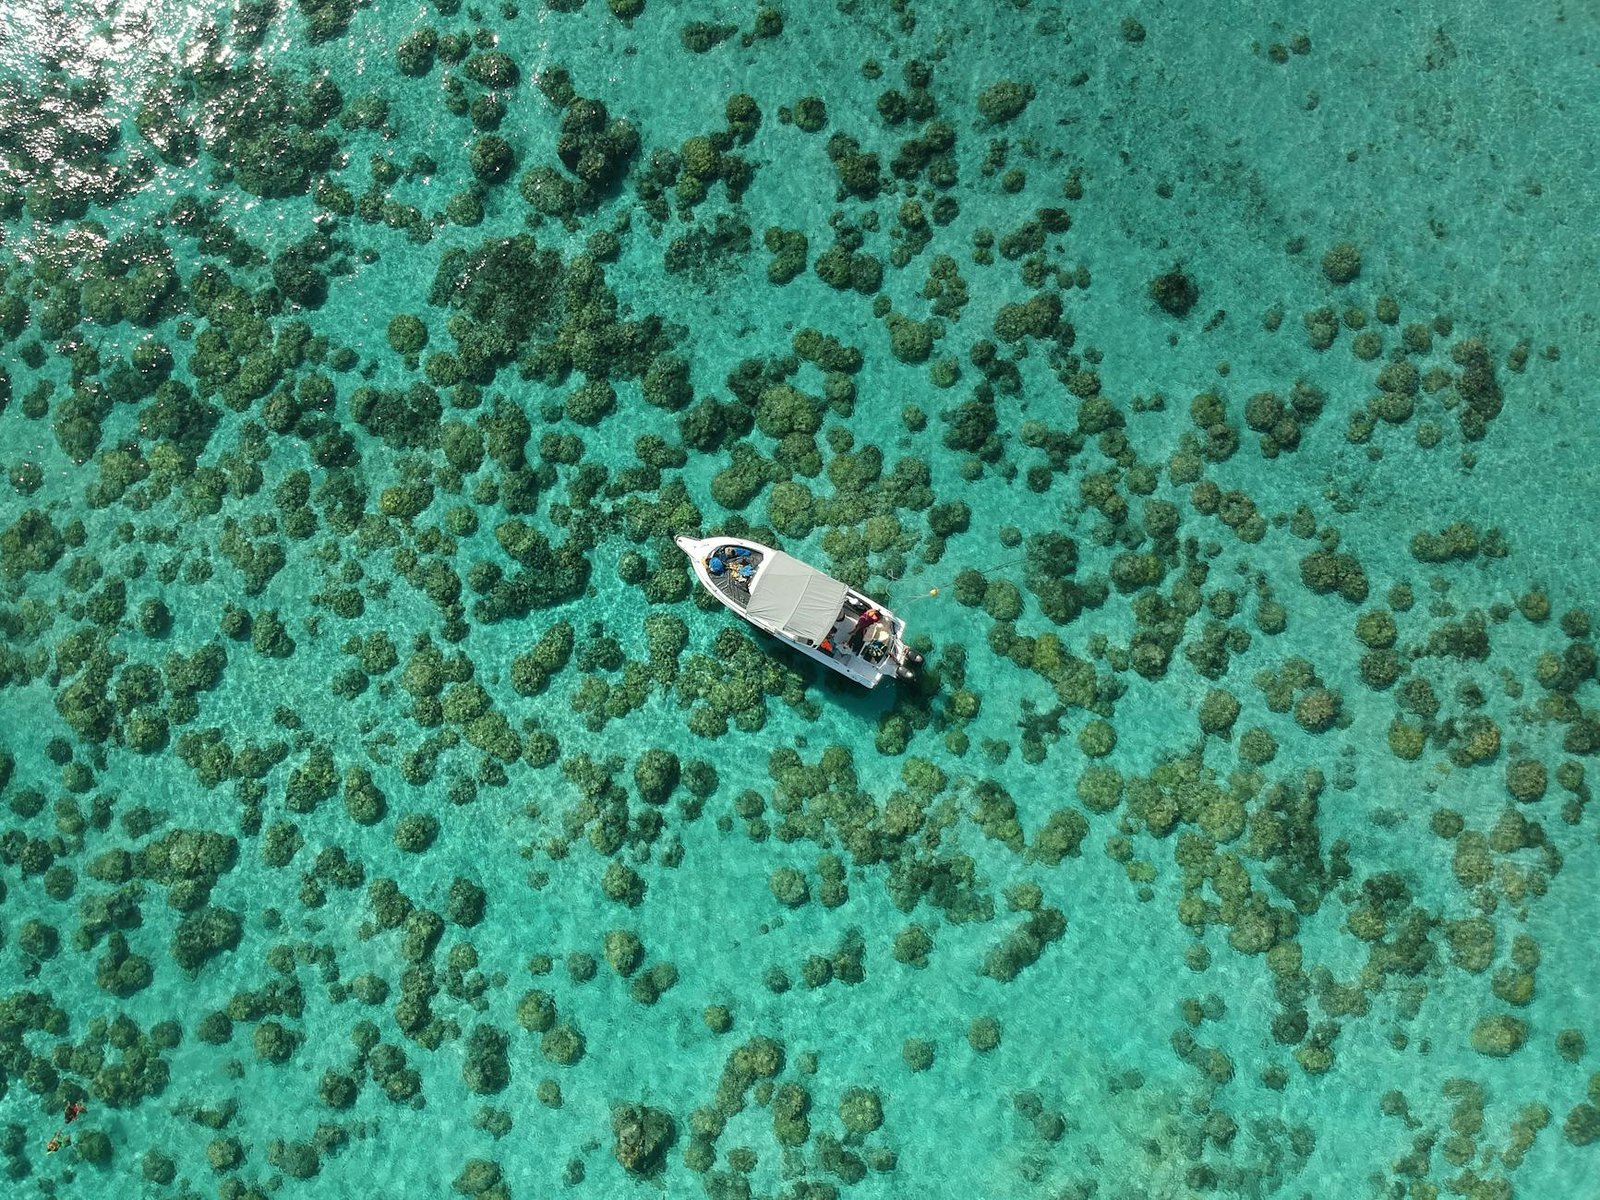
column 832, row 651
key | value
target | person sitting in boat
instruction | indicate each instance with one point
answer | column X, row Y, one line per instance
column 741, row 561
column 864, row 624
column 735, row 558
column 876, row 647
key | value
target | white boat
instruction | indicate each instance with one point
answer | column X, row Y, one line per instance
column 816, row 614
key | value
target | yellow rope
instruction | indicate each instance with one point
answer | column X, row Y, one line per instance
column 986, row 572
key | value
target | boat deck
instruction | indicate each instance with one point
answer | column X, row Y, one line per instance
column 854, row 606
column 850, row 662
column 733, row 585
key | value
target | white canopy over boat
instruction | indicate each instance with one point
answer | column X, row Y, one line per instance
column 800, row 600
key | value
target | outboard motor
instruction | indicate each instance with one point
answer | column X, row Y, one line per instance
column 909, row 665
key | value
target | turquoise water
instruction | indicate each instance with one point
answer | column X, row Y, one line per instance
column 381, row 814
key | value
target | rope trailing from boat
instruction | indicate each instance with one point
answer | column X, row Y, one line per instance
column 986, row 572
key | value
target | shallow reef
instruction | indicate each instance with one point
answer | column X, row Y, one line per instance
column 369, row 752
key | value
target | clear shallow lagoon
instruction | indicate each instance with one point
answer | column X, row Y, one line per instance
column 380, row 812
